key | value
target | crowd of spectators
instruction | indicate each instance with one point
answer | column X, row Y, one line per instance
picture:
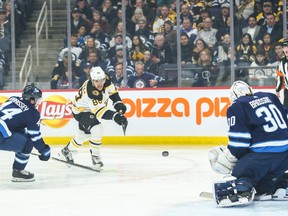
column 22, row 10
column 97, row 40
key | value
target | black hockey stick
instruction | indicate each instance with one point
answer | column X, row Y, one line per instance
column 70, row 164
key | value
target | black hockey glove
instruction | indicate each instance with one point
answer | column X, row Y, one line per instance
column 120, row 107
column 45, row 153
column 120, row 119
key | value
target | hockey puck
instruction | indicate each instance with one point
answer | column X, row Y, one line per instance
column 165, row 153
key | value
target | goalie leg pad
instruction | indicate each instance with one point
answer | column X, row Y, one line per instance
column 233, row 193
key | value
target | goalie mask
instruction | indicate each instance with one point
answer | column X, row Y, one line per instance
column 238, row 89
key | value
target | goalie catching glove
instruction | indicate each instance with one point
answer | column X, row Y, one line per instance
column 221, row 160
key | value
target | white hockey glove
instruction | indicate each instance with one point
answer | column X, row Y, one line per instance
column 221, row 160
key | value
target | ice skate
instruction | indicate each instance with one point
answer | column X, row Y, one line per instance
column 96, row 161
column 67, row 155
column 22, row 176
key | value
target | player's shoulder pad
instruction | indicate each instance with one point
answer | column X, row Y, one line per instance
column 92, row 92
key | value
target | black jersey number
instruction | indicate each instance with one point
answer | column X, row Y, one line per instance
column 272, row 116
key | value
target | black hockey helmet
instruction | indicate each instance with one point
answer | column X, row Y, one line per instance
column 31, row 92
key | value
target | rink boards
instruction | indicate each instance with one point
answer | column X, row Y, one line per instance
column 156, row 116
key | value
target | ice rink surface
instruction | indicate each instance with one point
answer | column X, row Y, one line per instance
column 136, row 181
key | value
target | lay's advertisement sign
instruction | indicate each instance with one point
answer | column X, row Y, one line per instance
column 162, row 116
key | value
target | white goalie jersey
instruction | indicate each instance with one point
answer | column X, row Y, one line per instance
column 90, row 99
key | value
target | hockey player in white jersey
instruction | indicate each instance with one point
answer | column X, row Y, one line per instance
column 89, row 107
column 257, row 152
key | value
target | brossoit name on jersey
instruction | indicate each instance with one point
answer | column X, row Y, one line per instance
column 258, row 102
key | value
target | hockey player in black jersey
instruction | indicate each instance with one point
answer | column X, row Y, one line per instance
column 20, row 131
column 89, row 108
column 257, row 152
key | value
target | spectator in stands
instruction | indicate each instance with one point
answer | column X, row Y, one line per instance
column 76, row 20
column 145, row 34
column 188, row 29
column 111, row 62
column 206, row 74
column 132, row 27
column 259, row 75
column 149, row 65
column 185, row 13
column 143, row 79
column 82, row 36
column 138, row 49
column 97, row 17
column 63, row 82
column 119, row 31
column 274, row 29
column 267, row 9
column 114, row 22
column 19, row 21
column 267, row 46
column 149, row 10
column 2, row 68
column 200, row 45
column 278, row 54
column 90, row 46
column 158, row 25
column 117, row 76
column 204, row 13
column 220, row 52
column 94, row 60
column 186, row 49
column 85, row 10
column 116, row 40
column 220, row 19
column 244, row 10
column 84, row 72
column 208, row 34
column 246, row 50
column 108, row 11
column 170, row 36
column 5, row 36
column 252, row 28
column 61, row 67
column 102, row 38
column 75, row 49
column 161, row 52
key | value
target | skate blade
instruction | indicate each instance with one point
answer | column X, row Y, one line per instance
column 14, row 179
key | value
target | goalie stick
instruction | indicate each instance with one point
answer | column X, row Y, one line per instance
column 207, row 195
column 70, row 164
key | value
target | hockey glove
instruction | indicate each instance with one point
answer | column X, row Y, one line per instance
column 120, row 107
column 45, row 153
column 221, row 160
column 120, row 119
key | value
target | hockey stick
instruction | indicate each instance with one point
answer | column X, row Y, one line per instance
column 207, row 195
column 124, row 126
column 70, row 164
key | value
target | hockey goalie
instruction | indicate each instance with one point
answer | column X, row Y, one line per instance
column 256, row 157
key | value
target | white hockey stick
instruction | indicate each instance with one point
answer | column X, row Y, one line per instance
column 207, row 195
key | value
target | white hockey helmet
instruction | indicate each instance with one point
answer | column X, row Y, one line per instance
column 97, row 73
column 238, row 89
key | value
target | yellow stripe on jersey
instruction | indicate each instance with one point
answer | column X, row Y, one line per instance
column 99, row 112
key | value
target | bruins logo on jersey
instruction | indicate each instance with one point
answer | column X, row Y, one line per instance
column 95, row 92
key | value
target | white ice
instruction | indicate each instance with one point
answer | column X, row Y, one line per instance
column 136, row 181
